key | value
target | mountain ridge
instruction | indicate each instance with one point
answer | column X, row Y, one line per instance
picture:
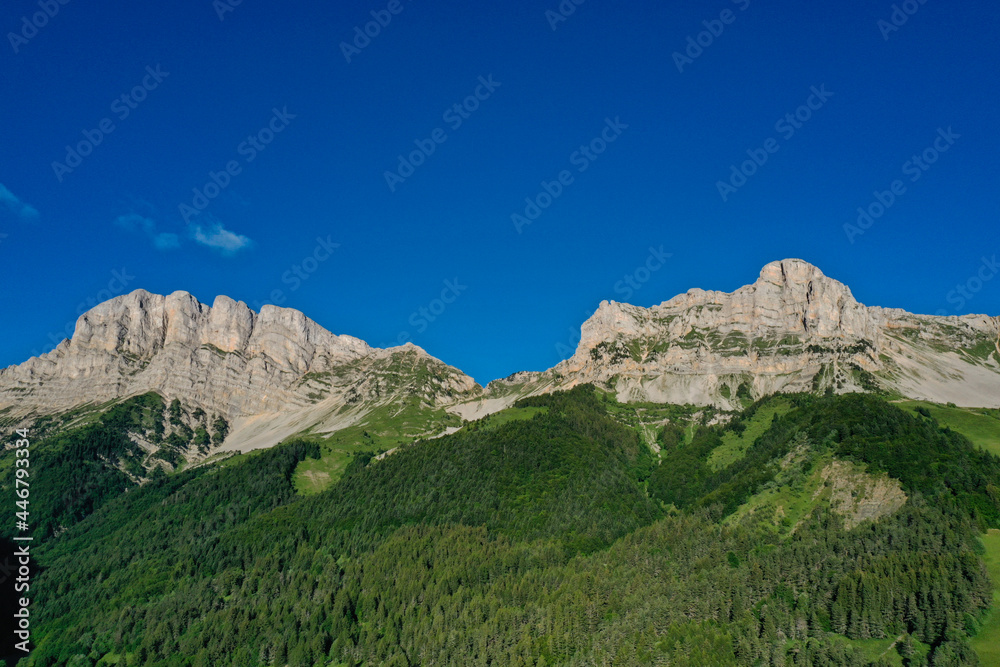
column 780, row 333
column 277, row 372
column 271, row 374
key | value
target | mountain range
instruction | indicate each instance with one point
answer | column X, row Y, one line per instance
column 277, row 373
column 722, row 479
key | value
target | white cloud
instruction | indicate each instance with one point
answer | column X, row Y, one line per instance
column 211, row 235
column 137, row 223
column 219, row 238
column 10, row 201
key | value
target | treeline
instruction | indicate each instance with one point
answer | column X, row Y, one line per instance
column 936, row 462
column 568, row 476
column 529, row 543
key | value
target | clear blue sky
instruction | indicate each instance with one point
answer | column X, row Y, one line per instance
column 522, row 289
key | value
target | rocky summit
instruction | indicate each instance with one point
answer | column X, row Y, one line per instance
column 270, row 374
column 792, row 330
column 276, row 373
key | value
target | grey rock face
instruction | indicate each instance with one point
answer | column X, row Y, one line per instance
column 793, row 330
column 225, row 359
column 276, row 373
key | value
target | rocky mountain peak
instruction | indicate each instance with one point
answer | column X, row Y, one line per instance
column 791, row 297
column 793, row 329
column 790, row 272
column 277, row 372
column 228, row 360
column 141, row 324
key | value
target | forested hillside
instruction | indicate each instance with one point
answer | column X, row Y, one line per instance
column 91, row 456
column 552, row 537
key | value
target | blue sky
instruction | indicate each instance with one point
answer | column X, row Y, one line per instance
column 623, row 132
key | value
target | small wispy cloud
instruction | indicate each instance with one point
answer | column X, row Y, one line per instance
column 211, row 234
column 134, row 222
column 12, row 203
column 217, row 237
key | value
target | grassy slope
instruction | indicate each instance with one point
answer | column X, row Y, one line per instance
column 789, row 499
column 873, row 649
column 980, row 425
column 793, row 496
column 405, row 375
column 735, row 446
column 987, row 642
column 509, row 415
column 382, row 429
column 647, row 419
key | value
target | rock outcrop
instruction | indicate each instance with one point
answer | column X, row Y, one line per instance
column 858, row 496
column 792, row 330
column 270, row 374
column 275, row 373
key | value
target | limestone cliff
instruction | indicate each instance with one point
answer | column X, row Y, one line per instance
column 271, row 373
column 275, row 373
column 792, row 330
